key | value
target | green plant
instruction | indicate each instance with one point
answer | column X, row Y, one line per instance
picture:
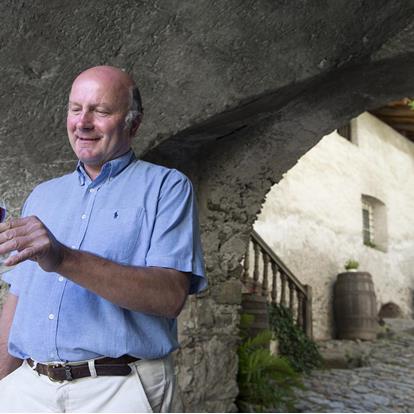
column 370, row 244
column 266, row 382
column 411, row 104
column 302, row 353
column 351, row 264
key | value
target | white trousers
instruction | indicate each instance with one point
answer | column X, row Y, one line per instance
column 149, row 388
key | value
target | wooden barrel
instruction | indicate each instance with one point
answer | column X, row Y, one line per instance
column 355, row 306
column 256, row 305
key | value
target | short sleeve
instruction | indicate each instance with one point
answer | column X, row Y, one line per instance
column 175, row 239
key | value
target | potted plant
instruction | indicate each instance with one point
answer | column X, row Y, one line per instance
column 351, row 265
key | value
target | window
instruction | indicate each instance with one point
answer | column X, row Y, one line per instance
column 374, row 223
column 367, row 224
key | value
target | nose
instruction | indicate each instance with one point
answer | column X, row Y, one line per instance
column 85, row 120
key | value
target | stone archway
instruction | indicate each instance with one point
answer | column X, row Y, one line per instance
column 235, row 92
column 233, row 171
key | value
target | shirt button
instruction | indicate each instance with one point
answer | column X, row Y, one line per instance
column 83, row 216
column 92, row 190
column 73, row 247
column 61, row 278
column 51, row 316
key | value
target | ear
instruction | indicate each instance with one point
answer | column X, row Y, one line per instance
column 135, row 125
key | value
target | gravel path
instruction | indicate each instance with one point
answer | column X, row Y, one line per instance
column 369, row 376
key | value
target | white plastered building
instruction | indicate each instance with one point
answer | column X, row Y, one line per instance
column 347, row 199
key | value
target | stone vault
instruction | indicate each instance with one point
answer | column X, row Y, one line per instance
column 234, row 93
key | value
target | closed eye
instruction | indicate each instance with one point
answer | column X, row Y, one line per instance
column 101, row 112
column 74, row 110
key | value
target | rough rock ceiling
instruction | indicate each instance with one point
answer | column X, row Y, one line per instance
column 398, row 115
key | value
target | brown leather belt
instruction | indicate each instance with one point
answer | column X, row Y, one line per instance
column 68, row 372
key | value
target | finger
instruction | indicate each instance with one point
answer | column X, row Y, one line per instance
column 18, row 243
column 12, row 233
column 18, row 222
column 38, row 240
column 17, row 258
column 5, row 226
column 24, row 221
column 28, row 247
column 6, row 247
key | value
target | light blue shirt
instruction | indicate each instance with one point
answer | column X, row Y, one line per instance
column 134, row 213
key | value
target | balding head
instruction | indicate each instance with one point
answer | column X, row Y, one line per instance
column 112, row 73
column 121, row 81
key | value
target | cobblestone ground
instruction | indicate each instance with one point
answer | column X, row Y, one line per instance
column 376, row 376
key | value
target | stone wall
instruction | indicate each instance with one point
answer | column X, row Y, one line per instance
column 234, row 93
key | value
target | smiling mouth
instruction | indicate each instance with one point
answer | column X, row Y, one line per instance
column 87, row 138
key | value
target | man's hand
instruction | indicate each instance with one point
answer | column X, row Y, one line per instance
column 32, row 240
column 153, row 290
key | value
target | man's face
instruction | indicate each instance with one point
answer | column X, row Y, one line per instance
column 96, row 120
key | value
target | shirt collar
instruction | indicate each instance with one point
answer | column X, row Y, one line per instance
column 109, row 170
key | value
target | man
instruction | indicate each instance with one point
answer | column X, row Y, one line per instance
column 107, row 256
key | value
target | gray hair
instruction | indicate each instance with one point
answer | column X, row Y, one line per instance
column 136, row 110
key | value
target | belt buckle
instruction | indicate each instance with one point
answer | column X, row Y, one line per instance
column 68, row 372
column 49, row 367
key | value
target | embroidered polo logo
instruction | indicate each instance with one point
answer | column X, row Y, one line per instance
column 115, row 215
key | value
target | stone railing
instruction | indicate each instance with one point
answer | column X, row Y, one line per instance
column 265, row 274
